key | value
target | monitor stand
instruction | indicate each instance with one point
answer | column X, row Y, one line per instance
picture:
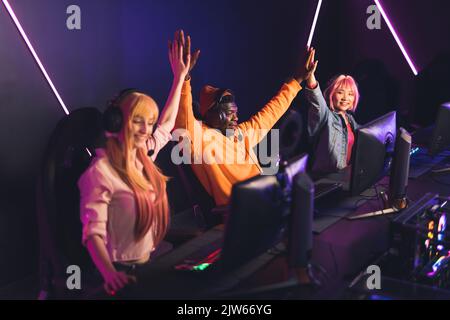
column 394, row 207
column 444, row 170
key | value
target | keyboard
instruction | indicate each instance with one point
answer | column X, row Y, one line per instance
column 202, row 258
column 421, row 162
column 322, row 189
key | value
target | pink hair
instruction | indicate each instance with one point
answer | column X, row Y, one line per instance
column 339, row 82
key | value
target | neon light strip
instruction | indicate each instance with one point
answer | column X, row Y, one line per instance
column 399, row 43
column 36, row 58
column 313, row 27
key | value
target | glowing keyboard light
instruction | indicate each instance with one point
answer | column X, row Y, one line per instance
column 313, row 27
column 442, row 223
column 438, row 263
column 35, row 56
column 201, row 267
column 399, row 43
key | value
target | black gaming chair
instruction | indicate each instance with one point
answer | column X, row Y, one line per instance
column 69, row 152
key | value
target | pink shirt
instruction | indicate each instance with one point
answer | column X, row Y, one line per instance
column 108, row 206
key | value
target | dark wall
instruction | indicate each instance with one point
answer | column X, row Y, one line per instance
column 85, row 67
column 248, row 46
column 346, row 45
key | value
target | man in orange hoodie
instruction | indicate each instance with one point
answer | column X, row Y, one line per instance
column 221, row 150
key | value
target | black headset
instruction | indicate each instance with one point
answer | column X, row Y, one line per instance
column 112, row 116
column 216, row 117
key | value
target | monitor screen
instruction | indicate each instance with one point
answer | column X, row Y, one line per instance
column 372, row 152
column 441, row 133
column 398, row 180
column 260, row 208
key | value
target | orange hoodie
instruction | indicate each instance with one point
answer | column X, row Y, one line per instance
column 219, row 161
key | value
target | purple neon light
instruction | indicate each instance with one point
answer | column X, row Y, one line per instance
column 313, row 27
column 399, row 43
column 33, row 52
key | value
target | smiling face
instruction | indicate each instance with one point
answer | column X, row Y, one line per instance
column 224, row 115
column 231, row 110
column 343, row 99
column 141, row 129
column 142, row 114
column 342, row 94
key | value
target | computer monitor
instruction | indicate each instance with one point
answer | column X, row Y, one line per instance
column 294, row 166
column 441, row 133
column 301, row 223
column 398, row 180
column 260, row 210
column 372, row 152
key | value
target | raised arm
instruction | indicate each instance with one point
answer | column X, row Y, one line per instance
column 180, row 65
column 311, row 82
column 266, row 118
column 318, row 109
column 260, row 123
column 185, row 118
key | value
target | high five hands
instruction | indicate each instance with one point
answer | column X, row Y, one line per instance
column 307, row 68
column 179, row 61
column 182, row 47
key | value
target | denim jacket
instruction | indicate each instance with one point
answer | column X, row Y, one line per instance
column 329, row 133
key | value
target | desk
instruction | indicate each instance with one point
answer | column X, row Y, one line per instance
column 343, row 249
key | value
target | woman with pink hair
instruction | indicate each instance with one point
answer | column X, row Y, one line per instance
column 330, row 121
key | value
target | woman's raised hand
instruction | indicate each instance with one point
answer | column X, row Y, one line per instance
column 186, row 42
column 179, row 61
column 310, row 77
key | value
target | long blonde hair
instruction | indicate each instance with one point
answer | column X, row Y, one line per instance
column 149, row 213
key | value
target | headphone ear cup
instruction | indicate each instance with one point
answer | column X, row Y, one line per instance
column 222, row 117
column 112, row 116
column 113, row 119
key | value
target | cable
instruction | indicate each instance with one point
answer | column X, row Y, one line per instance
column 380, row 201
column 320, row 271
column 336, row 267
